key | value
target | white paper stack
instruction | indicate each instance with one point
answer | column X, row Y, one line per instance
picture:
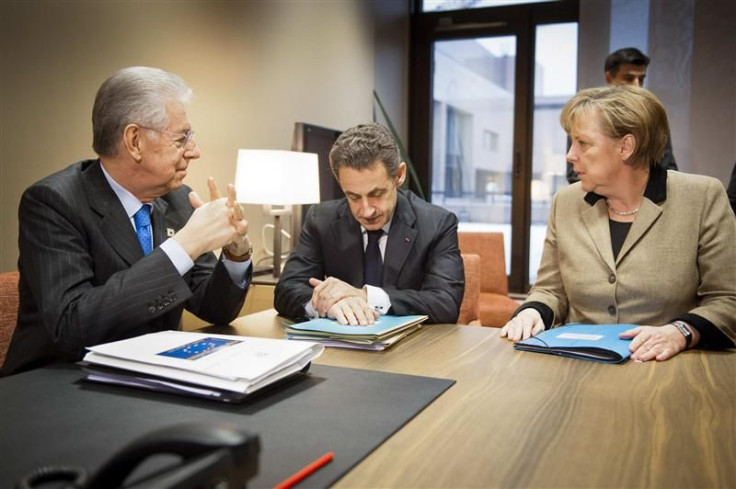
column 225, row 367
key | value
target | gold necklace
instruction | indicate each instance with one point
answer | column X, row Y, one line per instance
column 621, row 213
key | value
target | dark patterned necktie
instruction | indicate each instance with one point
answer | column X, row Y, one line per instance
column 373, row 265
column 142, row 220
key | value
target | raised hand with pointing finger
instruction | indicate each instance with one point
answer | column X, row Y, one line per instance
column 215, row 224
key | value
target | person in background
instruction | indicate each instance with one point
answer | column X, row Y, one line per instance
column 379, row 250
column 628, row 66
column 633, row 243
column 118, row 246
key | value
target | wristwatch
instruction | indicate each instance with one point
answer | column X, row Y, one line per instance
column 685, row 332
column 244, row 257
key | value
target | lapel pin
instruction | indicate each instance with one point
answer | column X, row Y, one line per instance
column 407, row 238
column 170, row 232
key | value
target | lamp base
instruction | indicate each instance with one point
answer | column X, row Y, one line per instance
column 276, row 246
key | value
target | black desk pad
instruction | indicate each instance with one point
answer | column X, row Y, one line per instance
column 51, row 417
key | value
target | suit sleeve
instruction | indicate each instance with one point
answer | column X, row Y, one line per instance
column 443, row 281
column 717, row 263
column 549, row 289
column 76, row 306
column 215, row 297
column 293, row 289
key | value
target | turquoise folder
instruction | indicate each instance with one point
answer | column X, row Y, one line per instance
column 385, row 326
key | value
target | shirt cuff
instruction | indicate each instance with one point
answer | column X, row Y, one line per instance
column 378, row 299
column 310, row 311
column 177, row 255
column 237, row 270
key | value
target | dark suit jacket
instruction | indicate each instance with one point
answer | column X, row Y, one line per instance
column 422, row 269
column 84, row 279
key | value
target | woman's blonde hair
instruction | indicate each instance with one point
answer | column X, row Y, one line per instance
column 623, row 110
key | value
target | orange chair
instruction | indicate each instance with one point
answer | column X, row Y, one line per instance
column 8, row 309
column 496, row 306
column 470, row 307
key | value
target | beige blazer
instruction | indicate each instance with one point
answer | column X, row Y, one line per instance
column 679, row 257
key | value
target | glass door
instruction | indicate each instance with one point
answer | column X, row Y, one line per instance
column 473, row 132
column 484, row 101
column 555, row 81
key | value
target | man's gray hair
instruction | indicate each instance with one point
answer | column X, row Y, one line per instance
column 135, row 95
column 363, row 145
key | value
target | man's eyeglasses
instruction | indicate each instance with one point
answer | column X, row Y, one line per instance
column 182, row 140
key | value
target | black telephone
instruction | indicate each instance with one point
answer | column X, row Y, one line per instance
column 212, row 455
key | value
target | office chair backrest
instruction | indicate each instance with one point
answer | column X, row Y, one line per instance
column 8, row 309
column 489, row 246
column 470, row 307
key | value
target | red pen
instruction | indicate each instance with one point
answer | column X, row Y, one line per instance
column 306, row 471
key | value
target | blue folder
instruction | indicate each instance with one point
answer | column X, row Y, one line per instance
column 596, row 342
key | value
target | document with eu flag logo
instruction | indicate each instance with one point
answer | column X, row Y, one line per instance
column 222, row 367
column 596, row 342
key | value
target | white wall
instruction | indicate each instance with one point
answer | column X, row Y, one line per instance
column 692, row 44
column 255, row 67
column 713, row 98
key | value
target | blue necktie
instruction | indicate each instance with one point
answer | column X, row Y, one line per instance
column 142, row 220
column 373, row 265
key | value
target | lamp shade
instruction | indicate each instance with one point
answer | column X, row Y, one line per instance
column 276, row 177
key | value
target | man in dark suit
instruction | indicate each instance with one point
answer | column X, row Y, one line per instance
column 116, row 247
column 628, row 66
column 379, row 250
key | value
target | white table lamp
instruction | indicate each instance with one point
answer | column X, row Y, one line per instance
column 277, row 180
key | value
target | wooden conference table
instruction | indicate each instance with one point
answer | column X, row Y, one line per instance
column 519, row 419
